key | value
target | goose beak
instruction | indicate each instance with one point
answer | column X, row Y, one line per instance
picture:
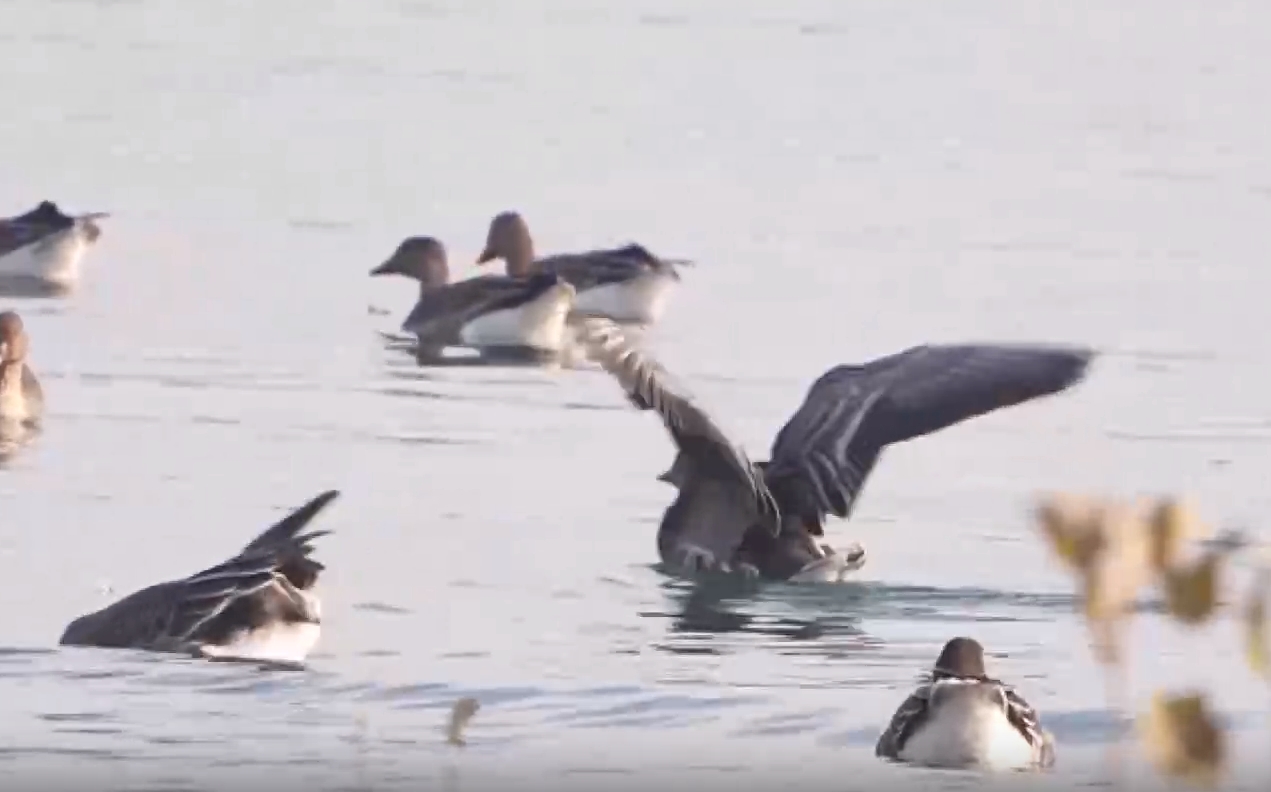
column 487, row 255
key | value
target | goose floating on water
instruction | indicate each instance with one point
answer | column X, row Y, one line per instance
column 21, row 397
column 960, row 718
column 41, row 250
column 258, row 605
column 760, row 519
column 486, row 313
column 627, row 284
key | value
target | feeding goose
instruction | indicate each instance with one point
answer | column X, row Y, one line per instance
column 960, row 717
column 491, row 314
column 21, row 397
column 627, row 284
column 762, row 519
column 261, row 604
column 41, row 250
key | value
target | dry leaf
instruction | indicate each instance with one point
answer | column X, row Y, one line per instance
column 1191, row 593
column 1073, row 527
column 1182, row 739
column 1171, row 523
column 1255, row 623
column 460, row 714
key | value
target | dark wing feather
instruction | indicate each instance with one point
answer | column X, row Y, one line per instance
column 723, row 493
column 593, row 268
column 202, row 596
column 822, row 456
column 159, row 616
column 440, row 313
column 906, row 719
column 287, row 530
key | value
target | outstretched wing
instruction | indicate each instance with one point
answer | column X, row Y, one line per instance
column 903, row 723
column 823, row 455
column 722, row 493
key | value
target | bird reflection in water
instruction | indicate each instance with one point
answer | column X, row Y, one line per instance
column 15, row 436
column 708, row 616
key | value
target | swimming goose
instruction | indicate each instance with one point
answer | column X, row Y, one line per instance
column 486, row 313
column 960, row 717
column 760, row 519
column 21, row 397
column 41, row 250
column 626, row 284
column 260, row 604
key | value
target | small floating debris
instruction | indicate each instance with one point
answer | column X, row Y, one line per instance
column 460, row 714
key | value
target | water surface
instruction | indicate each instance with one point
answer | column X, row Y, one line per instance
column 853, row 177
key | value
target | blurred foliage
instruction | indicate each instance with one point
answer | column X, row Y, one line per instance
column 1115, row 550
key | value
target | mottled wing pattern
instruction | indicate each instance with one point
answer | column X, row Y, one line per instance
column 1025, row 718
column 724, row 493
column 203, row 596
column 823, row 455
column 907, row 718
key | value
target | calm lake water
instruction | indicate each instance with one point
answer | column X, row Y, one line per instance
column 854, row 177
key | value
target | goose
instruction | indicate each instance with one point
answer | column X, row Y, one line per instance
column 761, row 519
column 627, row 284
column 21, row 396
column 260, row 604
column 491, row 313
column 41, row 250
column 960, row 717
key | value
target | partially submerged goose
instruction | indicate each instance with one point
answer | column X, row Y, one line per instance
column 258, row 605
column 626, row 284
column 761, row 519
column 960, row 718
column 492, row 313
column 41, row 250
column 21, row 397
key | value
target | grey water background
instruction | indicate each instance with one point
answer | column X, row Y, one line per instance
column 854, row 177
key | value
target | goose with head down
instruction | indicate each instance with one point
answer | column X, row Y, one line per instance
column 763, row 519
column 959, row 717
column 261, row 604
column 41, row 250
column 491, row 313
column 627, row 284
column 21, row 396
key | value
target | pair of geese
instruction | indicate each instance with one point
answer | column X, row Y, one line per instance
column 730, row 515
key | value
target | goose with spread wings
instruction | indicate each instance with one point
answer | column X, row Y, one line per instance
column 763, row 519
column 258, row 605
